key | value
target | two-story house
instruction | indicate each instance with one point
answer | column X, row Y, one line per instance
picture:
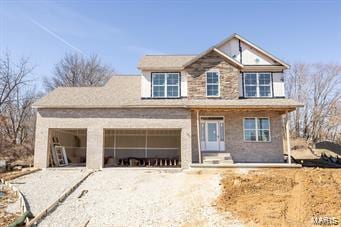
column 223, row 106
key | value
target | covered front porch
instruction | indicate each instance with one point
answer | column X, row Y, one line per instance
column 240, row 137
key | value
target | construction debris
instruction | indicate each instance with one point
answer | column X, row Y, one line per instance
column 149, row 162
column 82, row 194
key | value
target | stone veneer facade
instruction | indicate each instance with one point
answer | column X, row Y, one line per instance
column 197, row 77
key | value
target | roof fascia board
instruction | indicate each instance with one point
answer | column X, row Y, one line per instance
column 228, row 58
column 217, row 51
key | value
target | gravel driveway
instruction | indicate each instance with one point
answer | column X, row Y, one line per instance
column 43, row 187
column 117, row 197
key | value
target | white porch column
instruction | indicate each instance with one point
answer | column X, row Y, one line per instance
column 94, row 151
column 288, row 137
column 198, row 135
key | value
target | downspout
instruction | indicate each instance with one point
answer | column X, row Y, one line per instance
column 240, row 52
column 198, row 135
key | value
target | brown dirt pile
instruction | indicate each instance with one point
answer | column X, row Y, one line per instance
column 282, row 197
column 8, row 197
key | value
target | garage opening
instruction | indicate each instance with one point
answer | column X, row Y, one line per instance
column 142, row 148
column 67, row 147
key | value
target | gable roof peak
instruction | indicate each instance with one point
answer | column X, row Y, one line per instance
column 254, row 46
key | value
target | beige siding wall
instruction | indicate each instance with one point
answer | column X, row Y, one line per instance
column 95, row 120
column 196, row 80
column 234, row 138
column 249, row 54
column 278, row 83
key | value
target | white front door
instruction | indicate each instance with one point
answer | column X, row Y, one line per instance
column 212, row 135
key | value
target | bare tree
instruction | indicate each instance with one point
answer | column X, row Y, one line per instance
column 296, row 87
column 18, row 124
column 318, row 87
column 12, row 76
column 75, row 70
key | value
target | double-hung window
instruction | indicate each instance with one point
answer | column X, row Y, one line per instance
column 257, row 84
column 212, row 84
column 256, row 129
column 165, row 85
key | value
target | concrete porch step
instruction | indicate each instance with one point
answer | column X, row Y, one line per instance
column 216, row 154
column 220, row 156
column 217, row 158
column 214, row 161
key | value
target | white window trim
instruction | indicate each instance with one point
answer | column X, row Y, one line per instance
column 257, row 141
column 213, row 71
column 257, row 85
column 165, row 96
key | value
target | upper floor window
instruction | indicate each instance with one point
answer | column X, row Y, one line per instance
column 212, row 84
column 166, row 85
column 257, row 84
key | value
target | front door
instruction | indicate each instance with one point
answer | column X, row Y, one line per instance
column 212, row 135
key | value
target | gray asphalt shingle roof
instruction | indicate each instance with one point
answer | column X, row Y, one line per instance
column 124, row 92
column 155, row 62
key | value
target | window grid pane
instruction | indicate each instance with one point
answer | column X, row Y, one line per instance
column 212, row 83
column 257, row 129
column 173, row 79
column 250, row 135
column 264, row 91
column 251, row 79
column 257, row 84
column 251, row 90
column 165, row 84
column 159, row 91
column 172, row 91
column 250, row 123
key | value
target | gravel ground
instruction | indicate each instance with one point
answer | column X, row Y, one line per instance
column 42, row 188
column 116, row 197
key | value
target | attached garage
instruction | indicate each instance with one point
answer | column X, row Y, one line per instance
column 142, row 147
column 67, row 147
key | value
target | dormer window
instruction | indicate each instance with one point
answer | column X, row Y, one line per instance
column 257, row 84
column 166, row 85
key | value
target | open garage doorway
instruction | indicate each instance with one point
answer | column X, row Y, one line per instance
column 67, row 147
column 142, row 148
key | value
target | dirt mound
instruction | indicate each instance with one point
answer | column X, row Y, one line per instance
column 7, row 197
column 282, row 197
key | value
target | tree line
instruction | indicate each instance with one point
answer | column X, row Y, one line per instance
column 318, row 87
column 18, row 91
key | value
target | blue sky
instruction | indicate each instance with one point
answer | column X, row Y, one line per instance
column 121, row 32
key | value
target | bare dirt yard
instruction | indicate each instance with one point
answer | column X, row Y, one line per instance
column 130, row 197
column 8, row 208
column 282, row 197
